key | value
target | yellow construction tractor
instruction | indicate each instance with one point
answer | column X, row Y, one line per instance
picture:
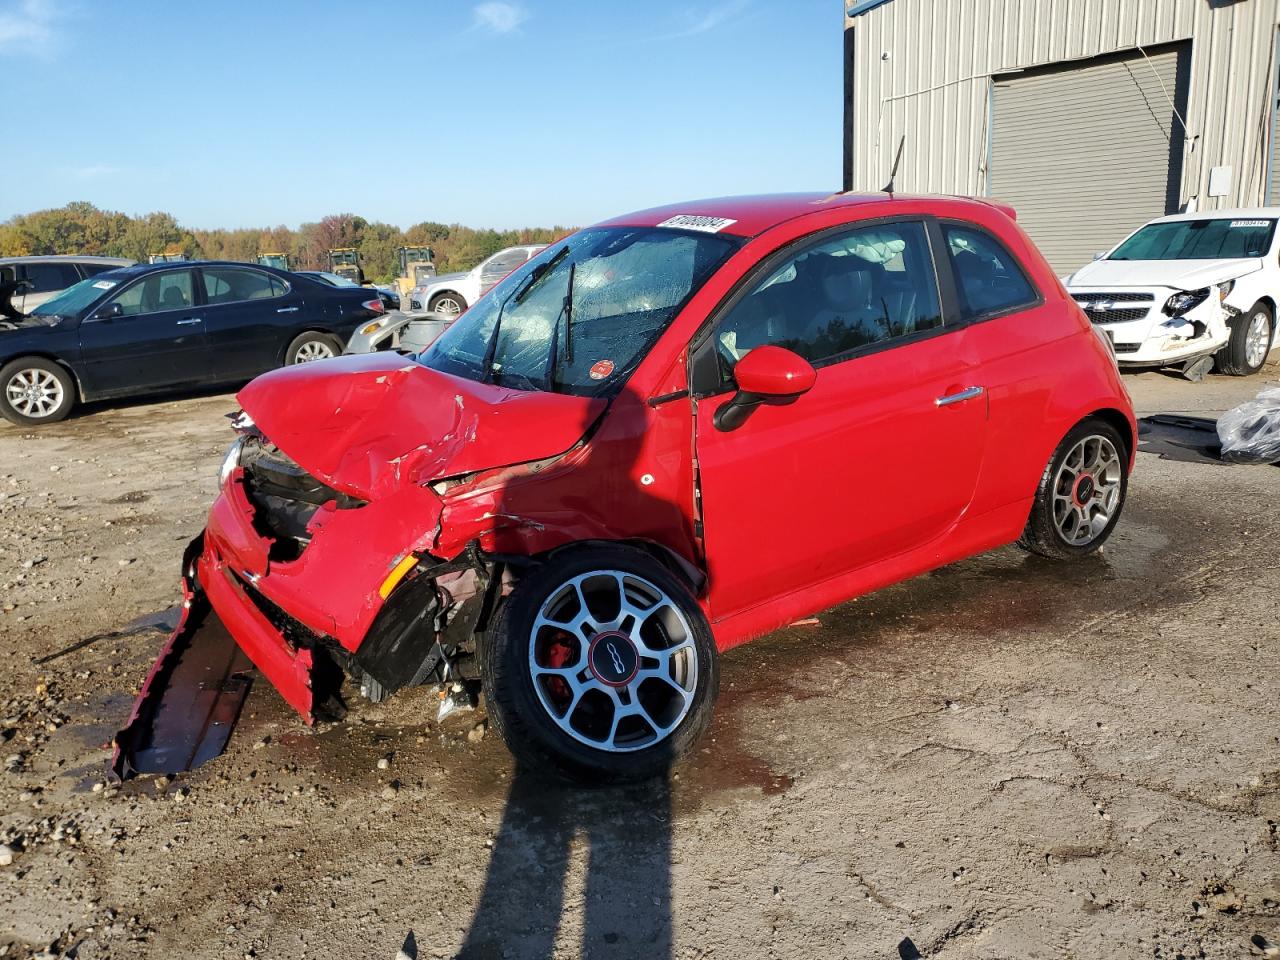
column 345, row 262
column 417, row 266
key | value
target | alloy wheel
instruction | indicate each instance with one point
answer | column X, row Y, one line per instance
column 34, row 393
column 1086, row 490
column 613, row 661
column 313, row 350
column 448, row 306
column 1257, row 340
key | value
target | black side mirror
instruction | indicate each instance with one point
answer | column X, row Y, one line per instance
column 109, row 312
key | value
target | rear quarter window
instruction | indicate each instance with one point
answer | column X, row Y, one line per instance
column 989, row 278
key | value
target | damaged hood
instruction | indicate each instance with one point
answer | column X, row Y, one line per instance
column 369, row 425
column 1174, row 274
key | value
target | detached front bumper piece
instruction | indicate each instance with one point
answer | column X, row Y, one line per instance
column 191, row 699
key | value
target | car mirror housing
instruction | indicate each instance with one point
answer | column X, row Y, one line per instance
column 109, row 312
column 767, row 375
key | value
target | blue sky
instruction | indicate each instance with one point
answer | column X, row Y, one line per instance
column 492, row 114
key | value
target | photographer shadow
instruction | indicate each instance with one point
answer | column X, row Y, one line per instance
column 626, row 898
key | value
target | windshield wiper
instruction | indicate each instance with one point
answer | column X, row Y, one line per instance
column 566, row 311
column 491, row 349
column 538, row 273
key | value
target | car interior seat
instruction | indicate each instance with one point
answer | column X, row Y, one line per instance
column 173, row 299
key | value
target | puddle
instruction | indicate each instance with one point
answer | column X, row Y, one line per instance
column 996, row 593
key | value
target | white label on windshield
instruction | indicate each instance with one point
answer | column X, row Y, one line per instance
column 688, row 221
column 1250, row 223
column 105, row 284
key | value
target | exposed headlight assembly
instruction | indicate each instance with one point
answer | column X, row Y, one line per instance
column 1185, row 300
column 1224, row 290
column 370, row 328
column 230, row 462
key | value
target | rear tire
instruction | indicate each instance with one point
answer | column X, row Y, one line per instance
column 310, row 346
column 600, row 665
column 1252, row 336
column 1081, row 493
column 448, row 303
column 35, row 390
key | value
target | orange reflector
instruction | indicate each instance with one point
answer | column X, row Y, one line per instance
column 396, row 575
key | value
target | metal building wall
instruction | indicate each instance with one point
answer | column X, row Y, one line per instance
column 935, row 85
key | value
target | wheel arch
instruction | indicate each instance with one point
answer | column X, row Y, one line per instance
column 436, row 294
column 688, row 573
column 1120, row 421
column 283, row 357
column 52, row 358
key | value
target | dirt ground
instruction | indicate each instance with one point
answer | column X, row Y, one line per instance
column 1007, row 758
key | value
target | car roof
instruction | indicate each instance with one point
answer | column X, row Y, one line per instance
column 1232, row 213
column 137, row 269
column 752, row 215
column 68, row 258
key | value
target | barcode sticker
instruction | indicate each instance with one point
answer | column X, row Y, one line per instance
column 688, row 221
column 1250, row 223
column 104, row 284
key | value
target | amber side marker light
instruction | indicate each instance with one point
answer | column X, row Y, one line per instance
column 397, row 574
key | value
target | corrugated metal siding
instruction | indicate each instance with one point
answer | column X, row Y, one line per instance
column 1088, row 151
column 935, row 85
column 1273, row 190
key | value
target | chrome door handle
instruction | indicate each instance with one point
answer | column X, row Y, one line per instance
column 970, row 393
column 287, row 310
column 188, row 322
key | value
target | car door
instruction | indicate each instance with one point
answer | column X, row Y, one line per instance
column 879, row 458
column 150, row 335
column 250, row 316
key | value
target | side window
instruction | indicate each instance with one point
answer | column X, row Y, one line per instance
column 499, row 265
column 50, row 277
column 990, row 280
column 232, row 284
column 93, row 269
column 865, row 287
column 160, row 291
column 278, row 288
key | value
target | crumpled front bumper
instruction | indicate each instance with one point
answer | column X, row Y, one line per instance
column 277, row 611
column 1156, row 339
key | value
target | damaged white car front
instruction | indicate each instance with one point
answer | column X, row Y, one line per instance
column 1178, row 293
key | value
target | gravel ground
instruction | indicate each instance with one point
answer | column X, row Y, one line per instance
column 1006, row 758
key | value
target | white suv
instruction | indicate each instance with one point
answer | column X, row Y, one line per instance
column 1188, row 291
column 453, row 293
column 27, row 282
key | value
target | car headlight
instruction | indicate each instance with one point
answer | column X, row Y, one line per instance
column 374, row 327
column 230, row 462
column 1224, row 290
column 1185, row 300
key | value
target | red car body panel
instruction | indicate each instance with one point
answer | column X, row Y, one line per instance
column 804, row 506
column 388, row 422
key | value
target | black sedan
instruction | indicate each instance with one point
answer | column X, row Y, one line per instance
column 169, row 326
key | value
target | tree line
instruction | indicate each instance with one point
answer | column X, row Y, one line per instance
column 82, row 228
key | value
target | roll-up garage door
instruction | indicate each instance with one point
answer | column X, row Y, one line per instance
column 1087, row 152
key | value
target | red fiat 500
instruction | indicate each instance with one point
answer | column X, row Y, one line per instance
column 661, row 437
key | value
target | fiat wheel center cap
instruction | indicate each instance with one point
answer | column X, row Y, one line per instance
column 613, row 659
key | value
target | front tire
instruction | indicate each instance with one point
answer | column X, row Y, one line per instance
column 34, row 390
column 449, row 304
column 1081, row 493
column 310, row 346
column 1252, row 336
column 601, row 665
